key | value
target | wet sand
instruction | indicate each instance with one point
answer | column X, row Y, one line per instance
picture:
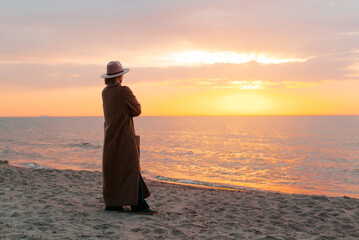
column 67, row 204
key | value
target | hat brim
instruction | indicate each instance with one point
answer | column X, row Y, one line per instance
column 105, row 75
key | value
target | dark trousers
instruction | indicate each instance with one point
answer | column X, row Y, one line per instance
column 142, row 204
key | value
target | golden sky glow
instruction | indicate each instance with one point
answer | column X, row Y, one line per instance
column 195, row 58
column 186, row 58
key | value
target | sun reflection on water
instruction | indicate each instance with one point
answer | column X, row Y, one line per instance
column 286, row 155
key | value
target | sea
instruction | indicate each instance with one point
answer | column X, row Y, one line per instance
column 316, row 155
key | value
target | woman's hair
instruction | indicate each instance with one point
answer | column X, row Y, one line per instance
column 111, row 80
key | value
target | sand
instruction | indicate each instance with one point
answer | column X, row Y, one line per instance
column 67, row 204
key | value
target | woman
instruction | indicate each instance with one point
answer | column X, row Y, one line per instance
column 122, row 181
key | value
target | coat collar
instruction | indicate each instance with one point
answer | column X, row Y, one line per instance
column 114, row 85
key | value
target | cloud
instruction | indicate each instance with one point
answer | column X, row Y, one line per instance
column 47, row 76
column 66, row 29
column 216, row 75
column 198, row 58
column 309, row 71
column 53, row 41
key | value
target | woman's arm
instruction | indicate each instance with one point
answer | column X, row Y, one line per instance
column 133, row 104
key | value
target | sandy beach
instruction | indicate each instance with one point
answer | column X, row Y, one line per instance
column 67, row 204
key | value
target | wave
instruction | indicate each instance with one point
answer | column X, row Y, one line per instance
column 85, row 145
column 206, row 184
column 36, row 166
column 28, row 155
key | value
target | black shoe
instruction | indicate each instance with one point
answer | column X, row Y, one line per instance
column 114, row 208
column 146, row 212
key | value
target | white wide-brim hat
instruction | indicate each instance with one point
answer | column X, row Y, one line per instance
column 114, row 69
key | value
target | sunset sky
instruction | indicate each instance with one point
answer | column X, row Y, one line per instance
column 187, row 57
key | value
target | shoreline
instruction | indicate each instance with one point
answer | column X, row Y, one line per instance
column 65, row 204
column 198, row 185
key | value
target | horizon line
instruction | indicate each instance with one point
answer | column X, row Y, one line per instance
column 274, row 115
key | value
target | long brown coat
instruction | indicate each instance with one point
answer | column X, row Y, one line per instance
column 121, row 155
